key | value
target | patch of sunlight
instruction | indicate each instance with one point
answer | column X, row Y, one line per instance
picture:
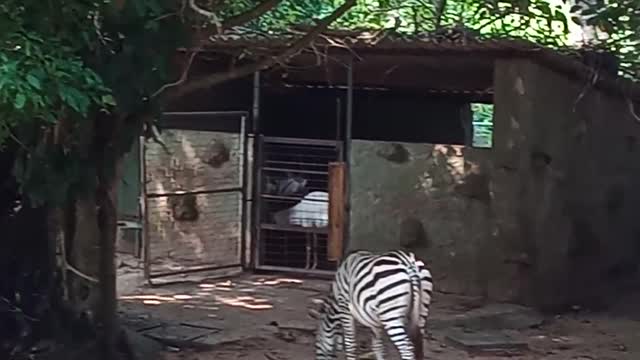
column 207, row 286
column 152, row 302
column 283, row 281
column 194, row 241
column 147, row 297
column 203, row 294
column 182, row 297
column 473, row 168
column 162, row 202
column 211, row 308
column 227, row 283
column 188, row 306
column 277, row 281
column 247, row 302
column 187, row 148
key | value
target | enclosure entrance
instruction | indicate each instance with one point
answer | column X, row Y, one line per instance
column 195, row 191
column 293, row 204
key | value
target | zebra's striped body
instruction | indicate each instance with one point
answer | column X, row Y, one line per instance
column 389, row 292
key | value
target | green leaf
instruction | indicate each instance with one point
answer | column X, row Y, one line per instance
column 108, row 100
column 20, row 101
column 75, row 99
column 34, row 82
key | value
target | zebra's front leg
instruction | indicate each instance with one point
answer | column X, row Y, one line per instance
column 401, row 340
column 377, row 344
column 349, row 336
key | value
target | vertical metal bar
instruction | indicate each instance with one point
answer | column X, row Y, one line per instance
column 466, row 120
column 244, row 198
column 256, row 184
column 146, row 260
column 142, row 209
column 347, row 156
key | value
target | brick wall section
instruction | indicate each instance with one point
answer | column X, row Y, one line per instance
column 212, row 239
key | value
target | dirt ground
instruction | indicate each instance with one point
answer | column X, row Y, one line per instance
column 265, row 317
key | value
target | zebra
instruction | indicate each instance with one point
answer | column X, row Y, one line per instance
column 388, row 292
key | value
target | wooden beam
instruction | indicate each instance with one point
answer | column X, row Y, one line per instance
column 336, row 210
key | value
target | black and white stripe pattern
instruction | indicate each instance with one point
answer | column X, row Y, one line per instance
column 388, row 292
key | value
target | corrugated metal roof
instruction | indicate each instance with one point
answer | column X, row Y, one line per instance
column 450, row 41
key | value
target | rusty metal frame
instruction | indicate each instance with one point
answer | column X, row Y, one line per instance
column 347, row 158
column 243, row 117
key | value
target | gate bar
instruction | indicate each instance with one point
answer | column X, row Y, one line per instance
column 347, row 159
column 148, row 275
column 244, row 197
column 197, row 192
column 192, row 270
column 256, row 176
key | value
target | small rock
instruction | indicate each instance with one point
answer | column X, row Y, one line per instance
column 287, row 336
column 620, row 347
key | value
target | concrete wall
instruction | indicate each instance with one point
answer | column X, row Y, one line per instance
column 399, row 190
column 214, row 237
column 569, row 155
column 546, row 217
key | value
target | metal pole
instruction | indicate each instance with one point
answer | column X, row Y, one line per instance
column 243, row 194
column 347, row 156
column 146, row 251
column 255, row 176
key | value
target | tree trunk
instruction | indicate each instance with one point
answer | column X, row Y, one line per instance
column 107, row 225
column 83, row 249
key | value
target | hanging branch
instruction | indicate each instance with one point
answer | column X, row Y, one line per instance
column 217, row 78
column 206, row 13
column 442, row 6
column 181, row 80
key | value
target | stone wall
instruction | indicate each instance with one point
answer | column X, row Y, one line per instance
column 545, row 217
column 433, row 199
column 200, row 229
column 568, row 153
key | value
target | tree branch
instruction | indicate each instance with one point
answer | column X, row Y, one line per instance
column 217, row 78
column 250, row 14
column 442, row 6
column 209, row 14
column 182, row 79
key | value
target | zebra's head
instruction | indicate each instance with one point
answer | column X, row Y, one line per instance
column 329, row 339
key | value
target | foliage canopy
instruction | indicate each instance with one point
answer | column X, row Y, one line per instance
column 66, row 63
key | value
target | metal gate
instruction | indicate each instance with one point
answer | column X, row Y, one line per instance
column 195, row 187
column 291, row 209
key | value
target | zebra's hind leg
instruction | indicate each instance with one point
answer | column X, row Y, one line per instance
column 349, row 336
column 377, row 344
column 400, row 339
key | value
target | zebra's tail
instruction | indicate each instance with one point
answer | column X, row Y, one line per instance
column 413, row 328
